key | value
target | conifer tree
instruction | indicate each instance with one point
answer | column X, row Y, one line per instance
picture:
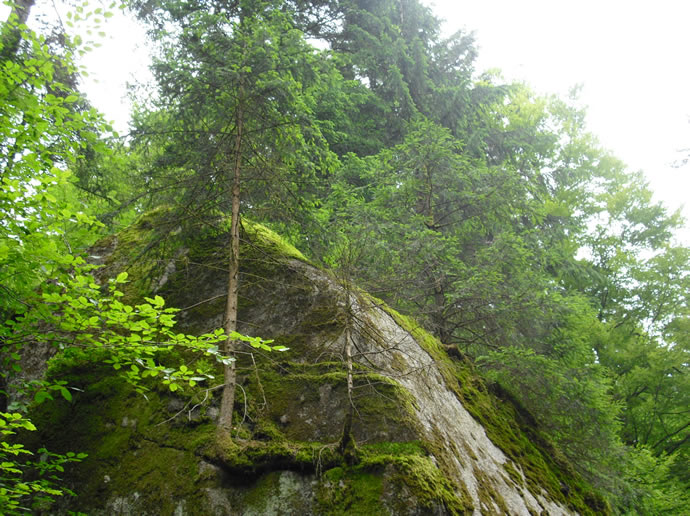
column 236, row 86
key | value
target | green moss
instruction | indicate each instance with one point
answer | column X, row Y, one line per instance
column 129, row 451
column 250, row 459
column 142, row 252
column 429, row 484
column 423, row 338
column 392, row 449
column 413, row 475
column 489, row 498
column 270, row 241
column 513, row 473
column 350, row 491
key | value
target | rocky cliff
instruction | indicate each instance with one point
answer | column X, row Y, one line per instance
column 430, row 437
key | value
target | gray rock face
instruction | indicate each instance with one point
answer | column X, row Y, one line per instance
column 439, row 414
column 443, row 418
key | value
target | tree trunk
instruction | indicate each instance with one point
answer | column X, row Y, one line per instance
column 12, row 35
column 228, row 397
column 347, row 444
column 347, row 427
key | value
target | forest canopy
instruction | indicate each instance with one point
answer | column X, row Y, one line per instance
column 480, row 208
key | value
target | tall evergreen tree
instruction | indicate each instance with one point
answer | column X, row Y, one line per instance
column 236, row 85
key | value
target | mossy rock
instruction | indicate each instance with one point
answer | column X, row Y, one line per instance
column 162, row 454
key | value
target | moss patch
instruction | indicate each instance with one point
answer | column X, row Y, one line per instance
column 270, row 241
column 128, row 451
column 350, row 491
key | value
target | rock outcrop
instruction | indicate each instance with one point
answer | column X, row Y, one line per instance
column 430, row 437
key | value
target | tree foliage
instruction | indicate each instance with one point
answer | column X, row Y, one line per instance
column 49, row 297
column 480, row 208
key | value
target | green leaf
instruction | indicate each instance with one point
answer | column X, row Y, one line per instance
column 42, row 396
column 66, row 394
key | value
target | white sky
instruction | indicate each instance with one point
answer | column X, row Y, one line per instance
column 631, row 58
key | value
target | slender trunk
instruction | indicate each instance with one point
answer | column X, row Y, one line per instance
column 347, row 444
column 425, row 197
column 347, row 431
column 12, row 35
column 439, row 309
column 228, row 398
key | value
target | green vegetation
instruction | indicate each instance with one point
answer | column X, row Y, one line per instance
column 532, row 267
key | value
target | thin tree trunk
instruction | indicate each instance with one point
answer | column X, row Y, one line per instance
column 228, row 397
column 347, row 431
column 12, row 35
column 347, row 445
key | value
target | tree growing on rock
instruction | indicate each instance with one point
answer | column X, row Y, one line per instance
column 236, row 87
